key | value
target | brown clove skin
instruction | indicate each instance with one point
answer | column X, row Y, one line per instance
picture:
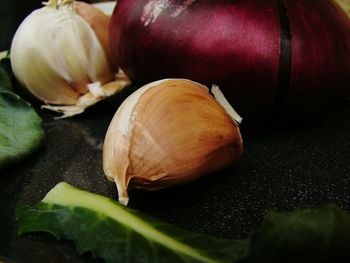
column 98, row 21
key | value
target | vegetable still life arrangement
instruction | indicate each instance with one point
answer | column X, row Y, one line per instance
column 281, row 60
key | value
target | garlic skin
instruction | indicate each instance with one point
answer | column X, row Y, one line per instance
column 55, row 54
column 169, row 132
column 97, row 20
column 345, row 4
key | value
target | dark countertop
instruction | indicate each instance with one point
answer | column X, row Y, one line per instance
column 282, row 168
column 300, row 165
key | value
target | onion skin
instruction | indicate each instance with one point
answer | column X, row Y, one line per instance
column 321, row 55
column 240, row 46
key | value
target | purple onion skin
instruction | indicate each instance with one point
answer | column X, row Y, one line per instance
column 271, row 58
column 320, row 71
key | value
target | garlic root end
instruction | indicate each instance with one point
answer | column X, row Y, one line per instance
column 97, row 92
column 67, row 111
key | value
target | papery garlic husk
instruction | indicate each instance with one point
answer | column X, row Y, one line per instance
column 170, row 132
column 59, row 58
column 345, row 4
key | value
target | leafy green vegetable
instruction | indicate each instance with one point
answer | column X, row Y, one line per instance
column 304, row 235
column 21, row 131
column 119, row 234
column 5, row 81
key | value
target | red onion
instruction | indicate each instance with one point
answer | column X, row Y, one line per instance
column 270, row 57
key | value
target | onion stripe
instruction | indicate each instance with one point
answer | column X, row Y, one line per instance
column 285, row 60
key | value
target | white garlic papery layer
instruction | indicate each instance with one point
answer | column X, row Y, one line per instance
column 56, row 55
column 167, row 133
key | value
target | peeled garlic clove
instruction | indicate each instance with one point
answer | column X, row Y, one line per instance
column 56, row 55
column 167, row 133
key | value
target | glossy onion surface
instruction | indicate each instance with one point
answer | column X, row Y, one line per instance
column 271, row 58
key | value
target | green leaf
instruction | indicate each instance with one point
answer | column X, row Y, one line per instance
column 304, row 235
column 21, row 130
column 5, row 80
column 119, row 234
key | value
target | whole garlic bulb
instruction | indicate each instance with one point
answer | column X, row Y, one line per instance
column 167, row 133
column 60, row 59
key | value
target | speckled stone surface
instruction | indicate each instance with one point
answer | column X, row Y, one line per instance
column 300, row 165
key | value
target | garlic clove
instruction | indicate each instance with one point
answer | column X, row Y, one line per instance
column 42, row 80
column 34, row 68
column 167, row 133
column 97, row 20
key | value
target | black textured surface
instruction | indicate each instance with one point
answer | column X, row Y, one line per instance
column 299, row 165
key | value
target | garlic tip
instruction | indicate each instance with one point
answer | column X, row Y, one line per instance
column 122, row 192
column 124, row 200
